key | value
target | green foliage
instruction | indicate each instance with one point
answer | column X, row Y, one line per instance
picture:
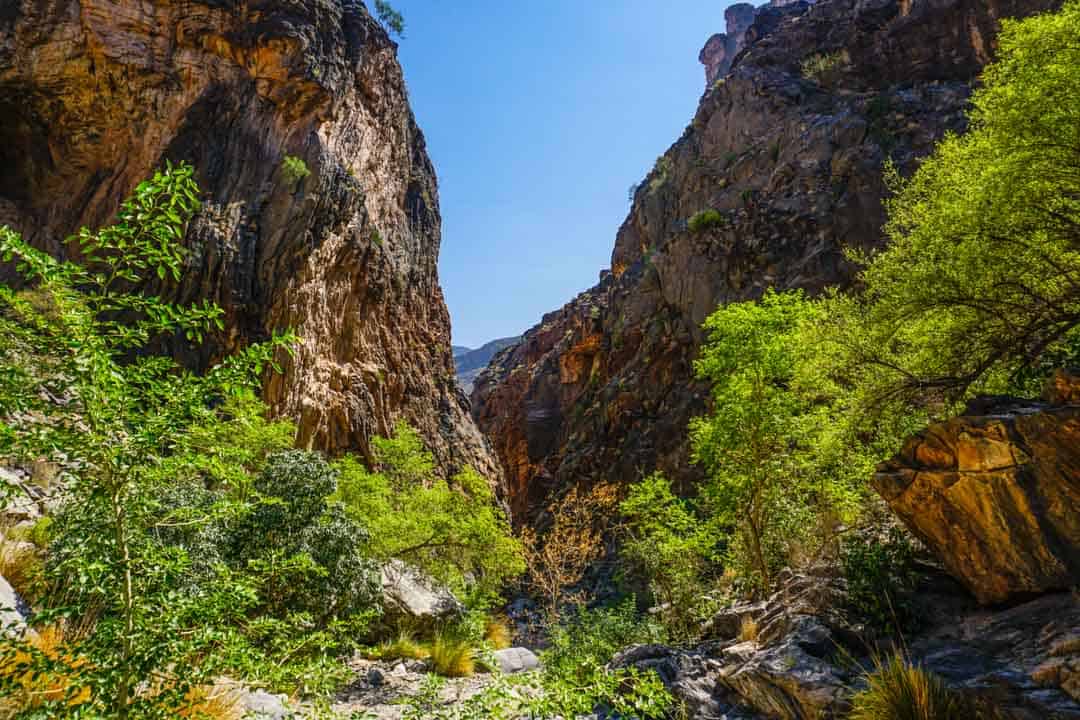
column 979, row 281
column 898, row 690
column 661, row 173
column 391, row 18
column 77, row 335
column 823, row 68
column 575, row 680
column 672, row 548
column 294, row 169
column 705, row 219
column 453, row 531
column 879, row 573
column 765, row 446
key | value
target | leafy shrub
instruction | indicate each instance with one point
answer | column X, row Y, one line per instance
column 705, row 219
column 879, row 573
column 453, row 531
column 898, row 690
column 294, row 169
column 588, row 639
column 670, row 547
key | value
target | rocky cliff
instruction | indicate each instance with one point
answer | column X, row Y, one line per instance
column 790, row 154
column 94, row 94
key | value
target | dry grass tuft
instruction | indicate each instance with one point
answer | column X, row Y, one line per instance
column 748, row 629
column 497, row 633
column 898, row 690
column 217, row 702
column 36, row 688
column 451, row 657
column 403, row 647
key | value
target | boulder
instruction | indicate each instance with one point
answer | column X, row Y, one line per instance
column 516, row 660
column 994, row 493
column 13, row 611
column 410, row 593
column 261, row 705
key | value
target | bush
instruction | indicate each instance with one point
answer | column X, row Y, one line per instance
column 898, row 690
column 879, row 574
column 670, row 547
column 453, row 531
column 705, row 219
column 294, row 169
column 823, row 68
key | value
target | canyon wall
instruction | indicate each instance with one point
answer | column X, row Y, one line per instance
column 95, row 94
column 792, row 161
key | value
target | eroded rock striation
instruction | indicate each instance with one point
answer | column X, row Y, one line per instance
column 604, row 387
column 94, row 94
column 995, row 493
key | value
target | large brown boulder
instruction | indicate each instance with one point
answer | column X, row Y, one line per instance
column 995, row 493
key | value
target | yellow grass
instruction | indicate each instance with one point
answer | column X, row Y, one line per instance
column 497, row 633
column 217, row 702
column 748, row 629
column 39, row 689
column 451, row 657
column 898, row 690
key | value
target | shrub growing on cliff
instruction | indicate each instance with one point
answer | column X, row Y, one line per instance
column 704, row 219
column 981, row 278
column 294, row 169
column 824, row 68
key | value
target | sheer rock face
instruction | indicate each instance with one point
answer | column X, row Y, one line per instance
column 994, row 493
column 720, row 49
column 604, row 387
column 94, row 94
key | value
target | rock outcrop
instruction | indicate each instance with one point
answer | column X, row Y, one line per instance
column 94, row 94
column 604, row 387
column 995, row 493
column 720, row 49
column 807, row 658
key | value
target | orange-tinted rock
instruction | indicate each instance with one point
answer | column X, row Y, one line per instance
column 94, row 94
column 996, row 496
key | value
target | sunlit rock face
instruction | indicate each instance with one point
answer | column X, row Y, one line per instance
column 603, row 388
column 94, row 94
column 995, row 492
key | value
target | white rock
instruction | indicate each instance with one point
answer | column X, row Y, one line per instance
column 517, row 659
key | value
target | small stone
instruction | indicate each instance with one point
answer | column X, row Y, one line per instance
column 376, row 677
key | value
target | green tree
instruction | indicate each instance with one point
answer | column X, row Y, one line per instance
column 667, row 543
column 757, row 445
column 453, row 530
column 981, row 278
column 391, row 18
column 93, row 400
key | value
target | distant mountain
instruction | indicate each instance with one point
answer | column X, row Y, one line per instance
column 469, row 363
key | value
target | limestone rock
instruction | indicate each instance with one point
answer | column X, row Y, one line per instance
column 604, row 387
column 261, row 705
column 408, row 592
column 994, row 494
column 95, row 94
column 13, row 611
column 516, row 660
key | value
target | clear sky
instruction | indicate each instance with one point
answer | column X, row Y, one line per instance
column 539, row 116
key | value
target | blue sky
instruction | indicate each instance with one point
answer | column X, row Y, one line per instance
column 539, row 116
